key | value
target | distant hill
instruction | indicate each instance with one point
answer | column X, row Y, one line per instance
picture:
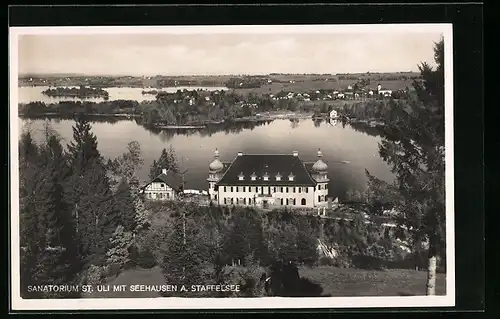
column 50, row 75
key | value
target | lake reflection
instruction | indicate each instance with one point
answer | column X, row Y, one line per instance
column 195, row 148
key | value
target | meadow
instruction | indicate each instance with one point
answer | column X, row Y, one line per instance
column 336, row 282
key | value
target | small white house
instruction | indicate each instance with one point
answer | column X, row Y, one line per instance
column 166, row 186
column 386, row 93
column 333, row 114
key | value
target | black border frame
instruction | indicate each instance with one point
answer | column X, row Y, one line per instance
column 467, row 20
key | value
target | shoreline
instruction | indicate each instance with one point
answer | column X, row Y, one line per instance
column 204, row 124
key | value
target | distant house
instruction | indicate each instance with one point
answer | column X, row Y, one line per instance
column 333, row 114
column 385, row 93
column 166, row 186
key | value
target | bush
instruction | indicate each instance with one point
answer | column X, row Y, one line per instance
column 94, row 275
column 326, row 261
column 113, row 270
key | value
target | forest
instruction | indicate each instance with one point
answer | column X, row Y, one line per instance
column 83, row 221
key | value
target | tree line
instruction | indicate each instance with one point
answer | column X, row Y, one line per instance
column 82, row 92
column 75, row 211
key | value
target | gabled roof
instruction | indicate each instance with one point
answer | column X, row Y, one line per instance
column 260, row 164
column 172, row 179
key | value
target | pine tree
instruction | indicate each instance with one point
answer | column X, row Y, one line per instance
column 414, row 147
column 125, row 205
column 167, row 160
column 28, row 151
column 48, row 257
column 118, row 253
column 127, row 165
column 142, row 215
column 83, row 149
column 97, row 214
column 181, row 263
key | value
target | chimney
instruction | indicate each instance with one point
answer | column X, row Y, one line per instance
column 295, row 153
column 240, row 153
column 164, row 171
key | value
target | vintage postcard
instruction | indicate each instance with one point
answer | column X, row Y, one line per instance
column 225, row 167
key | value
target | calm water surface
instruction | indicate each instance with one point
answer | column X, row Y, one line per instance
column 34, row 93
column 195, row 150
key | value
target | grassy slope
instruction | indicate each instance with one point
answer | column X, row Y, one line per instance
column 338, row 282
column 356, row 282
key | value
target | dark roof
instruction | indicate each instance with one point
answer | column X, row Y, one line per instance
column 309, row 166
column 172, row 179
column 270, row 164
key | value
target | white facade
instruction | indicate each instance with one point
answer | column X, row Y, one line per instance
column 267, row 196
column 385, row 92
column 333, row 114
column 159, row 191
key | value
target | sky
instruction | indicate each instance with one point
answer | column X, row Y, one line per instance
column 221, row 54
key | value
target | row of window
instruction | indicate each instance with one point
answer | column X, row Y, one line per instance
column 241, row 177
column 282, row 201
column 266, row 189
column 250, row 201
column 158, row 195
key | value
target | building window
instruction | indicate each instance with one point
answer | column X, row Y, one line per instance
column 323, row 198
column 319, row 187
column 168, row 195
column 319, row 198
column 160, row 195
column 225, row 201
column 287, row 201
column 278, row 178
column 249, row 201
column 244, row 201
column 232, row 201
column 326, row 186
column 162, row 185
column 294, row 201
column 237, row 189
column 241, row 177
column 225, row 189
column 300, row 189
column 266, row 178
column 231, row 189
column 281, row 201
column 291, row 177
column 237, row 201
column 215, row 196
column 286, row 189
column 303, row 202
column 307, row 189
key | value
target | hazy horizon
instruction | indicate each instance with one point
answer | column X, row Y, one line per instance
column 223, row 54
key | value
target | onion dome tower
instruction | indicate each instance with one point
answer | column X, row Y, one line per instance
column 214, row 175
column 216, row 165
column 320, row 169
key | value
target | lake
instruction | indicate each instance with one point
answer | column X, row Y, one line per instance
column 34, row 93
column 348, row 152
